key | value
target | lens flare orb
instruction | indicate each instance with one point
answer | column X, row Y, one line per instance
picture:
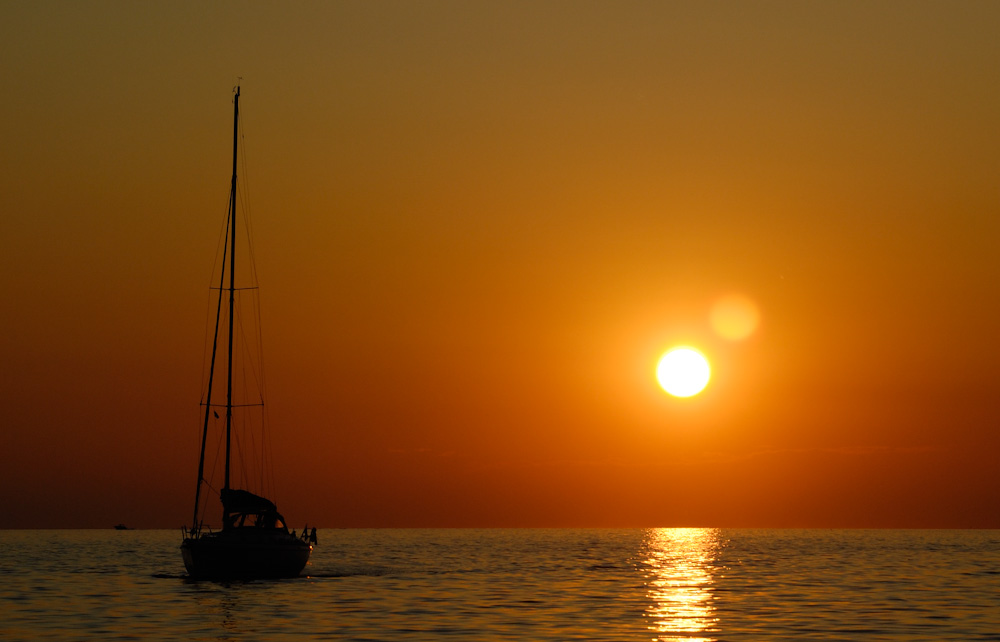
column 734, row 317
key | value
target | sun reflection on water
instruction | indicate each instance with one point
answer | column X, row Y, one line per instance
column 680, row 578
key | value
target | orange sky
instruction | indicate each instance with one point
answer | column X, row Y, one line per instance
column 478, row 226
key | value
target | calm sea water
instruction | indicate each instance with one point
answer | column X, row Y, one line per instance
column 656, row 584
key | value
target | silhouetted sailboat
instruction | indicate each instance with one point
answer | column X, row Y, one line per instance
column 254, row 541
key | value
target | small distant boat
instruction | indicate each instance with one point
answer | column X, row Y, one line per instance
column 254, row 541
column 121, row 527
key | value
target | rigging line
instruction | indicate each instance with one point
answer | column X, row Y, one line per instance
column 245, row 423
column 224, row 242
column 258, row 319
column 246, row 208
column 243, row 157
column 251, row 382
column 251, row 245
column 236, row 405
column 268, row 468
column 211, row 372
column 238, row 460
column 212, row 488
column 266, row 473
column 253, row 352
column 215, row 464
column 248, row 355
column 250, row 432
column 260, row 338
column 267, row 448
column 261, row 371
column 205, row 352
column 248, row 454
column 245, row 203
column 238, row 447
column 267, row 444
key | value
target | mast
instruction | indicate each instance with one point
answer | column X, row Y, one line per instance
column 215, row 344
column 232, row 285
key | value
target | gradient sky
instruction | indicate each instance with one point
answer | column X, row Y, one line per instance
column 478, row 227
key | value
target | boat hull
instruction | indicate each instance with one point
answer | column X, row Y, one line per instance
column 245, row 554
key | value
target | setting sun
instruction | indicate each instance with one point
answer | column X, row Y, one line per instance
column 683, row 372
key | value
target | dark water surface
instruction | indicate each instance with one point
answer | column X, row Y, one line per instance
column 655, row 584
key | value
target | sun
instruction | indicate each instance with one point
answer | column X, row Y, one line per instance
column 683, row 372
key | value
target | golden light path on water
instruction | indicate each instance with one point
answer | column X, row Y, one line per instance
column 680, row 580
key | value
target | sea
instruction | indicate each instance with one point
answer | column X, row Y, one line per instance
column 700, row 584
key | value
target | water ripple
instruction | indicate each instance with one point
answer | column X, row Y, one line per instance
column 657, row 584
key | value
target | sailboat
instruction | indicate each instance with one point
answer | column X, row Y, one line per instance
column 254, row 541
